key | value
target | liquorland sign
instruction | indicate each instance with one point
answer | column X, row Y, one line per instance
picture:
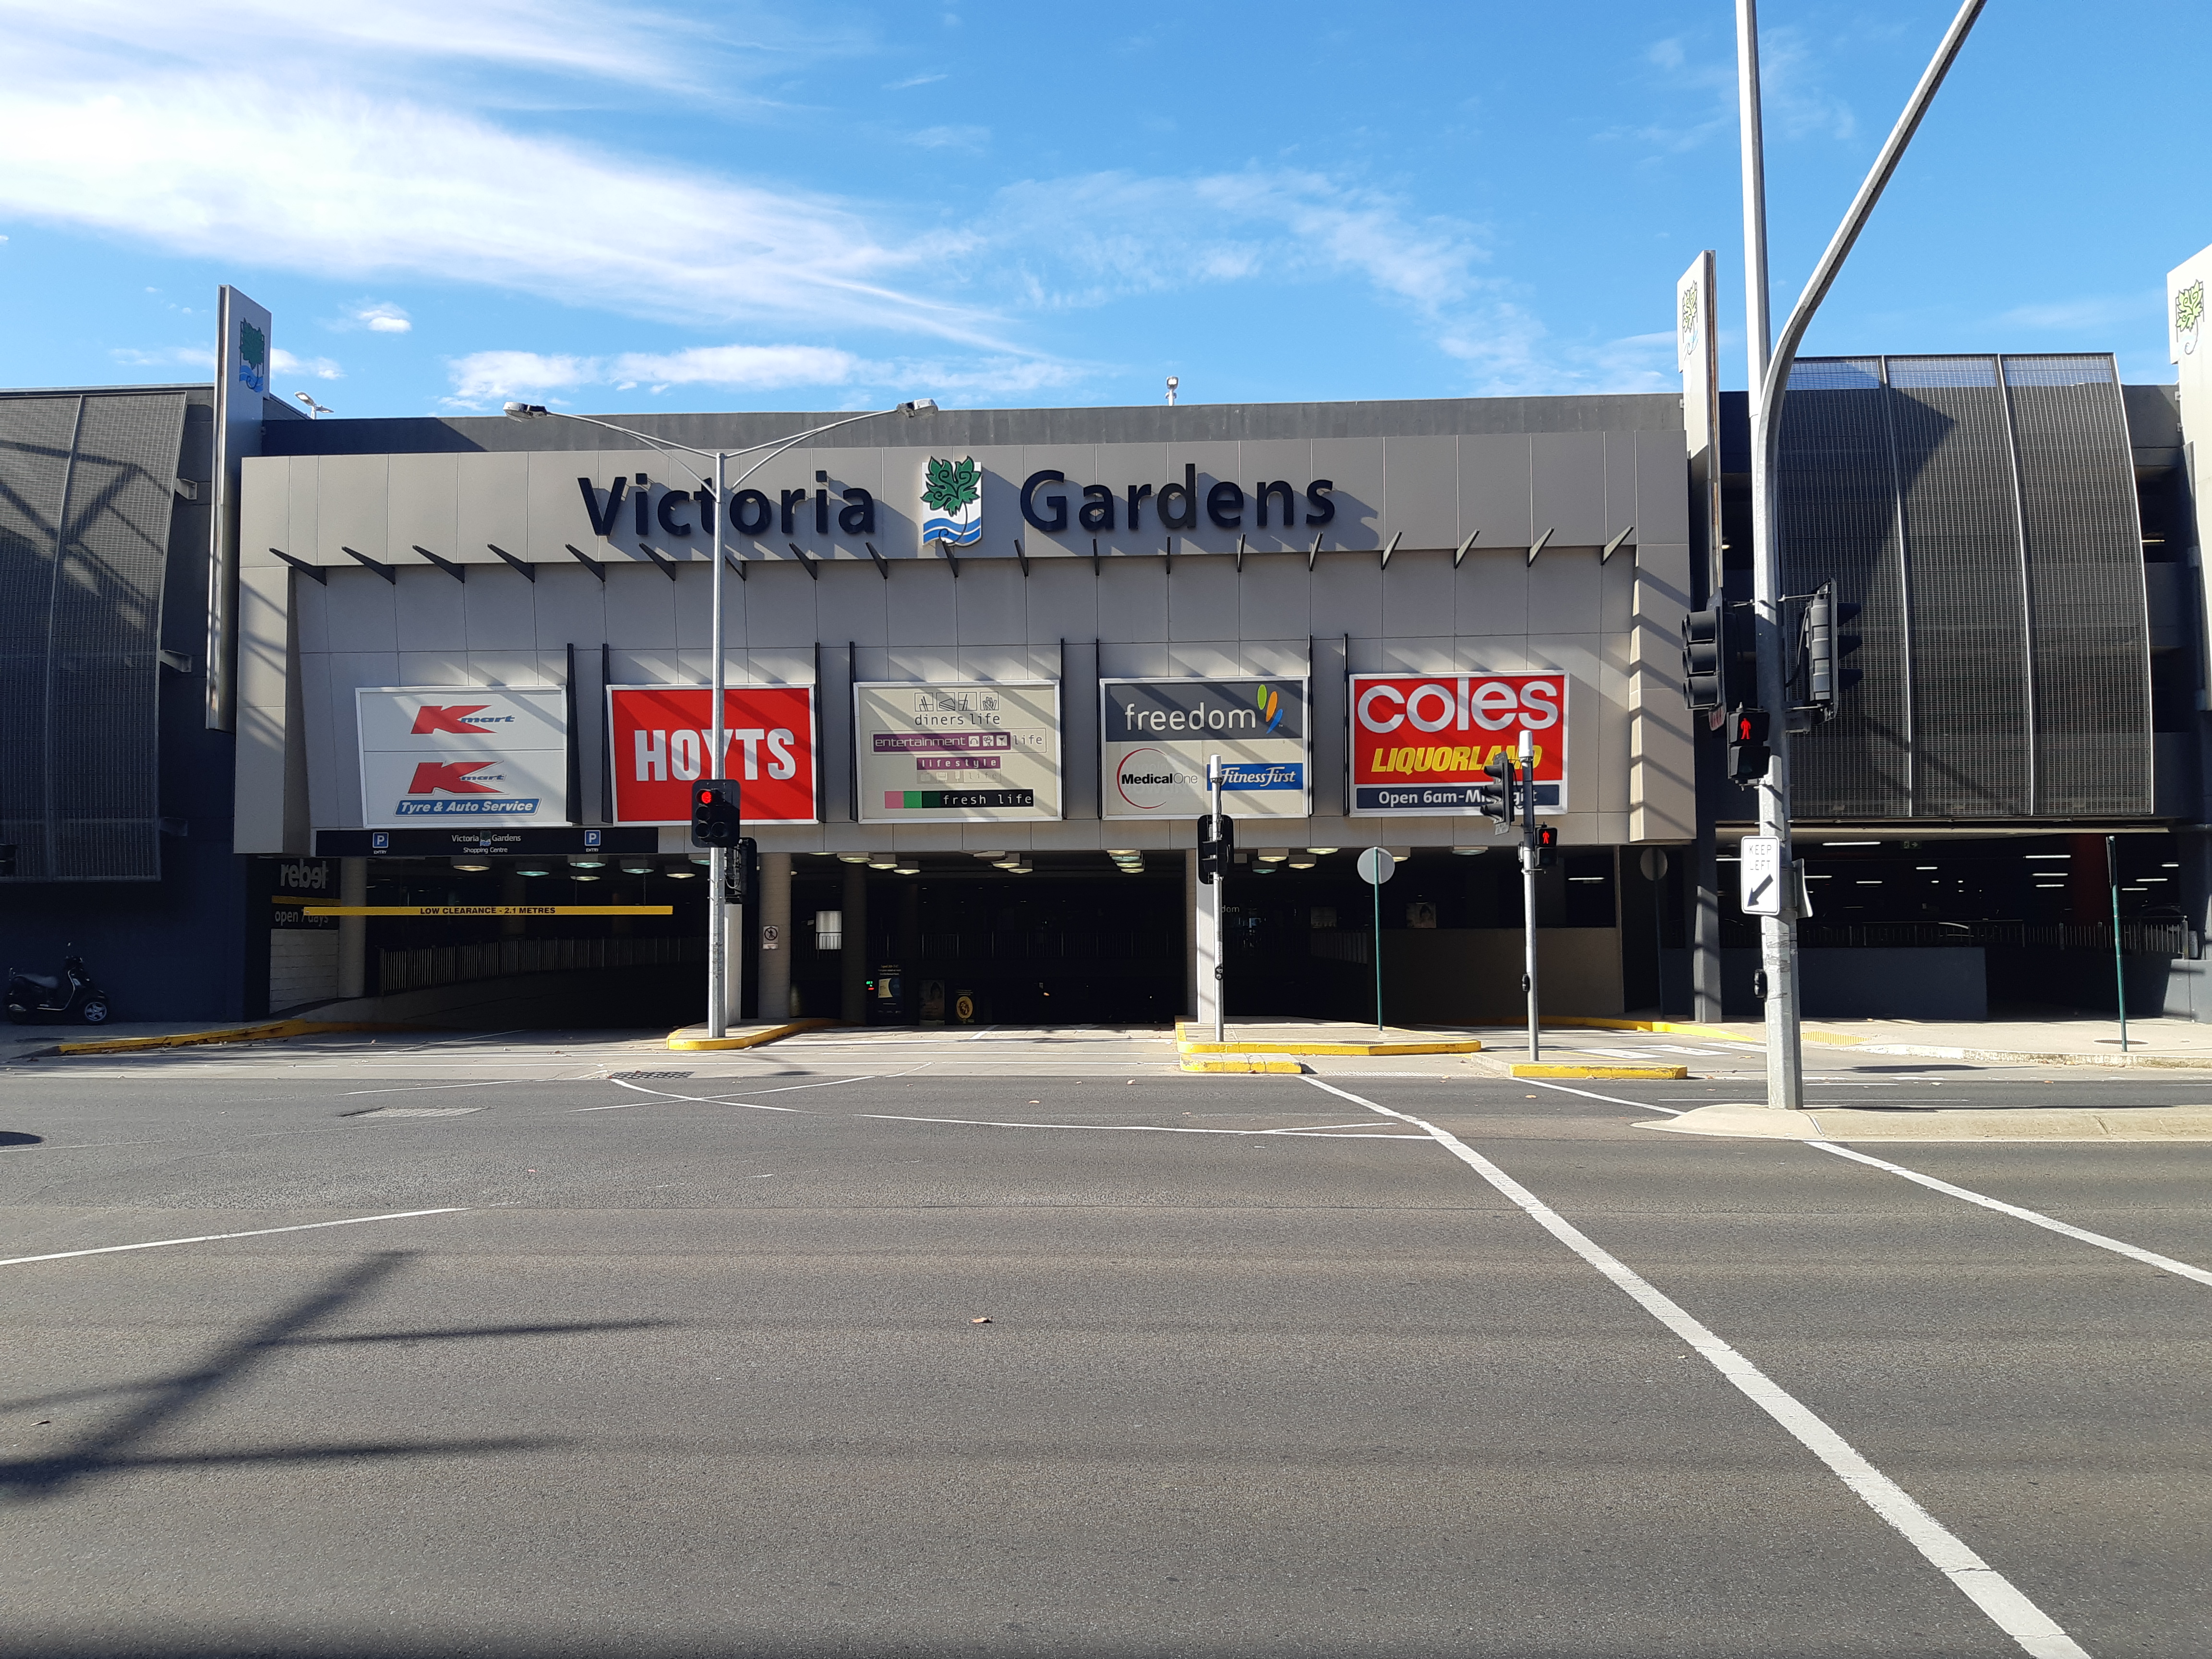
column 432, row 754
column 1420, row 741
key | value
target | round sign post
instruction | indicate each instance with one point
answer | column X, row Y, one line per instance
column 1376, row 867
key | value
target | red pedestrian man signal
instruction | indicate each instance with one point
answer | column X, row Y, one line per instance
column 448, row 777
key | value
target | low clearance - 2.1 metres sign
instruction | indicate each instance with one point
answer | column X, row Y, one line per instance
column 661, row 739
column 462, row 754
column 1420, row 741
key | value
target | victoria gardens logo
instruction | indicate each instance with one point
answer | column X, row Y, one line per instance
column 952, row 494
column 253, row 358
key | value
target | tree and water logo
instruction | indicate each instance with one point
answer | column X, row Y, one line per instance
column 2189, row 315
column 253, row 358
column 953, row 493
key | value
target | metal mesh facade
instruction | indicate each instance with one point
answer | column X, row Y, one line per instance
column 87, row 488
column 1982, row 511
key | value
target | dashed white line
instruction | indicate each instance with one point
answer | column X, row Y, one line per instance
column 210, row 1238
column 1999, row 1599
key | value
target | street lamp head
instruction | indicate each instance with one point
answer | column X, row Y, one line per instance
column 526, row 412
column 920, row 406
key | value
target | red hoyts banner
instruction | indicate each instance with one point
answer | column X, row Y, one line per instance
column 662, row 739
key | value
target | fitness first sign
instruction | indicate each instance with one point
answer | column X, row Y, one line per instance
column 1158, row 734
column 448, row 754
column 1420, row 741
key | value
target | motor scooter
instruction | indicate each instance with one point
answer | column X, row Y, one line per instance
column 50, row 999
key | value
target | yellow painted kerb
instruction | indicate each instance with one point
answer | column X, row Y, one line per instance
column 1649, row 1073
column 274, row 1030
column 746, row 1039
column 1242, row 1063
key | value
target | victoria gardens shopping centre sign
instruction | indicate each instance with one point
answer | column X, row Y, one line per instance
column 1158, row 735
column 1420, row 741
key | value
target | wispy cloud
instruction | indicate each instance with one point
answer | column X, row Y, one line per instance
column 380, row 317
column 974, row 140
column 915, row 80
column 485, row 377
column 2097, row 314
column 320, row 369
column 179, row 145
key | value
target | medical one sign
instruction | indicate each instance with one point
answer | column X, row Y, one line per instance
column 1420, row 741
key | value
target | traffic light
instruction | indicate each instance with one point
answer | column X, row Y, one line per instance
column 1704, row 671
column 1495, row 799
column 1547, row 838
column 718, row 817
column 741, row 879
column 1822, row 650
column 1216, row 845
column 1719, row 656
column 1747, row 746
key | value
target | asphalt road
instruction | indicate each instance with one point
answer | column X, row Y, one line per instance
column 690, row 1364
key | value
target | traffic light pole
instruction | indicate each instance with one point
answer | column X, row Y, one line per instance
column 1220, row 911
column 1770, row 377
column 1528, row 855
column 718, row 858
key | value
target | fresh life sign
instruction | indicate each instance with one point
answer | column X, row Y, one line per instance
column 1158, row 734
column 1420, row 741
column 450, row 752
column 969, row 752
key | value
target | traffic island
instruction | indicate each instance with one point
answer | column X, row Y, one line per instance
column 1322, row 1037
column 1618, row 1072
column 1747, row 1121
column 692, row 1037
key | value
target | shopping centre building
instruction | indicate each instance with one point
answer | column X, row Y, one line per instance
column 978, row 661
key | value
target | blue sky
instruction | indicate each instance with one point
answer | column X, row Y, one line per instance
column 612, row 206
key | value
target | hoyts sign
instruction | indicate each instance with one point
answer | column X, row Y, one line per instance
column 1420, row 741
column 661, row 739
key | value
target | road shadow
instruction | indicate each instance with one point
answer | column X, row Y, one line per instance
column 119, row 1444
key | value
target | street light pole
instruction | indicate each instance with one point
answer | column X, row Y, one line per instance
column 1770, row 378
column 718, row 858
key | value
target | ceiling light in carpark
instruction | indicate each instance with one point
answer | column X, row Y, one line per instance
column 852, row 858
column 637, row 866
column 586, row 860
column 883, row 861
column 471, row 861
column 1923, row 866
column 2051, row 887
column 1322, row 851
column 533, row 868
column 992, row 858
column 2046, row 856
column 907, row 870
column 679, row 869
column 1863, row 882
column 1273, row 854
column 1850, row 843
column 1306, row 860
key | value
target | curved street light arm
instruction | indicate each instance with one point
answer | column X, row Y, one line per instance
column 1847, row 233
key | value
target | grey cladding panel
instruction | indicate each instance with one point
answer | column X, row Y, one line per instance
column 1839, row 524
column 87, row 490
column 2087, row 618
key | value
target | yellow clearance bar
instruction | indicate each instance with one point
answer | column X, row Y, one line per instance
column 490, row 910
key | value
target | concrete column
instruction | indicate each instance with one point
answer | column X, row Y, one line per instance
column 855, row 953
column 512, row 890
column 1205, row 904
column 353, row 931
column 776, row 946
column 733, row 971
column 909, row 949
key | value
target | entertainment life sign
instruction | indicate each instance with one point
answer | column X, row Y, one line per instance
column 661, row 739
column 1157, row 735
column 1420, row 741
column 969, row 752
column 459, row 753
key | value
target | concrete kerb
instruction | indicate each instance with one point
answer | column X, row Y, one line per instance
column 2138, row 1124
column 1332, row 1039
column 1633, row 1074
column 1244, row 1063
column 690, row 1038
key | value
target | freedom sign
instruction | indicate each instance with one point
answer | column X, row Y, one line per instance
column 661, row 740
column 1158, row 734
column 1420, row 741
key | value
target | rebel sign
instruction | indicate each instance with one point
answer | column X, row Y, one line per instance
column 1420, row 741
column 661, row 737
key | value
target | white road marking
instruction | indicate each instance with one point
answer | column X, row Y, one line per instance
column 210, row 1238
column 1610, row 1100
column 1130, row 1128
column 2148, row 1258
column 493, row 1083
column 714, row 1100
column 2003, row 1602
